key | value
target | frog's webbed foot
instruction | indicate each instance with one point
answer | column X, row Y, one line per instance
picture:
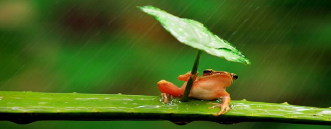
column 165, row 98
column 224, row 108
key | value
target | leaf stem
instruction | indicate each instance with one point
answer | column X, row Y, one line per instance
column 190, row 81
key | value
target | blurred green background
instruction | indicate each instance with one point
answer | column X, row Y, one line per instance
column 110, row 46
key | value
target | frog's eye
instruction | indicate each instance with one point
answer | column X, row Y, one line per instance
column 207, row 71
column 235, row 76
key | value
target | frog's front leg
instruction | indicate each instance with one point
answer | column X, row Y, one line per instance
column 185, row 77
column 225, row 105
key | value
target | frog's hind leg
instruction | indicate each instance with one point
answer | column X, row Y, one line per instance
column 169, row 88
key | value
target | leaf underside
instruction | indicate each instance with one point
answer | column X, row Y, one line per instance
column 27, row 107
column 194, row 34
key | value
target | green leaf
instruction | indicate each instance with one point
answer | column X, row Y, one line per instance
column 27, row 107
column 194, row 34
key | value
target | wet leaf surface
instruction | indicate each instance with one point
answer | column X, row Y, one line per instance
column 26, row 107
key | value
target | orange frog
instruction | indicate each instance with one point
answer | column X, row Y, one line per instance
column 209, row 86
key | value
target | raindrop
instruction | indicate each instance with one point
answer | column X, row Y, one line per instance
column 14, row 108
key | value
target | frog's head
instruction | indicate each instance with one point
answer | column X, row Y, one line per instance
column 209, row 72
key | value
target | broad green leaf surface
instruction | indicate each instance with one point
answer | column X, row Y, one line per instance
column 194, row 34
column 26, row 107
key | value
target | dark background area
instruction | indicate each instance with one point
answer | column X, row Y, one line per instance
column 110, row 46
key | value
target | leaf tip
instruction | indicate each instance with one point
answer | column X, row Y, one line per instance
column 247, row 62
column 147, row 8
